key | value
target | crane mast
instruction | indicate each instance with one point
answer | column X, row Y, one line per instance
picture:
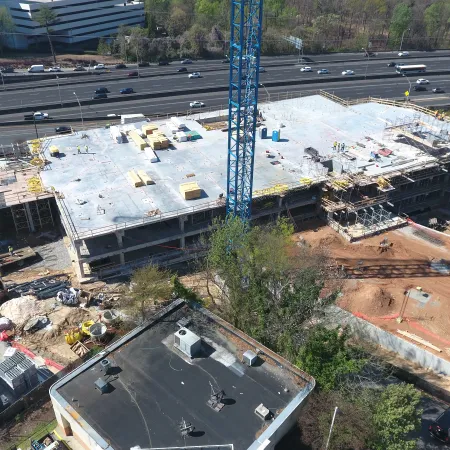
column 245, row 49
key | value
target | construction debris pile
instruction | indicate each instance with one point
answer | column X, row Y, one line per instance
column 42, row 288
column 69, row 296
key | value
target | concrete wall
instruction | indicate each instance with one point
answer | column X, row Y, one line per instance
column 407, row 350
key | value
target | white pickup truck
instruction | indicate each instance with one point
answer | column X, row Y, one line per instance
column 36, row 116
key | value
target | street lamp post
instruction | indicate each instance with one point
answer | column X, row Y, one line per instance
column 267, row 92
column 35, row 126
column 59, row 90
column 331, row 428
column 409, row 86
column 368, row 59
column 3, row 81
column 403, row 35
column 81, row 111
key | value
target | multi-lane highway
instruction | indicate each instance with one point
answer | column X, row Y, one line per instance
column 214, row 74
column 172, row 91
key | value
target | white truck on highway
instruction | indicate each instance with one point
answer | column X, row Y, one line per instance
column 36, row 68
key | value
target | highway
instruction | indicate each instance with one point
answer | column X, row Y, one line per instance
column 214, row 74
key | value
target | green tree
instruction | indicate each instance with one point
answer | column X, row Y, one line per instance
column 179, row 22
column 269, row 285
column 46, row 17
column 396, row 415
column 150, row 288
column 103, row 47
column 6, row 26
column 400, row 21
column 436, row 18
column 327, row 357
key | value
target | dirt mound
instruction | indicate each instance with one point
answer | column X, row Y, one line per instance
column 368, row 299
column 19, row 310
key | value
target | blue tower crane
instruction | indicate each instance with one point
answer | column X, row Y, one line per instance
column 245, row 49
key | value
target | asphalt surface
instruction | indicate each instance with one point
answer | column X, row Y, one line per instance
column 214, row 74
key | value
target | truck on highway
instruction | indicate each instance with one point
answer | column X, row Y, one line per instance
column 36, row 68
column 36, row 116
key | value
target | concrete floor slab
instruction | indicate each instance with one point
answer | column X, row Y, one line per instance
column 99, row 178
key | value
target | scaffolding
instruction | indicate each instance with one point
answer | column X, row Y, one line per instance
column 32, row 216
column 374, row 217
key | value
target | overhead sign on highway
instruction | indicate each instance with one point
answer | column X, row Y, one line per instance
column 294, row 40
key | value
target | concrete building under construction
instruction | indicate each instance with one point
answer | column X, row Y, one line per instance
column 146, row 191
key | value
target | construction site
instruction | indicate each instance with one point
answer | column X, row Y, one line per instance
column 145, row 191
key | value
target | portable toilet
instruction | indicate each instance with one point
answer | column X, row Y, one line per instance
column 275, row 135
column 263, row 133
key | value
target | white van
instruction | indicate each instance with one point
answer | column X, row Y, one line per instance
column 36, row 68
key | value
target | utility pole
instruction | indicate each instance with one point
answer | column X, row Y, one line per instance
column 35, row 126
column 331, row 428
column 81, row 111
column 59, row 90
column 403, row 35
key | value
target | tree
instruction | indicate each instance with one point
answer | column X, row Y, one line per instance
column 436, row 18
column 269, row 285
column 400, row 21
column 327, row 357
column 6, row 25
column 150, row 287
column 179, row 22
column 103, row 47
column 46, row 17
column 396, row 415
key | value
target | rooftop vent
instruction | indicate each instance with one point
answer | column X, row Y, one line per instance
column 102, row 385
column 105, row 365
column 187, row 342
column 262, row 412
column 249, row 358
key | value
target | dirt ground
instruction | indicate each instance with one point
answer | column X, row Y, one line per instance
column 376, row 282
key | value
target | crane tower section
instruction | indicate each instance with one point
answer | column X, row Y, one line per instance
column 245, row 49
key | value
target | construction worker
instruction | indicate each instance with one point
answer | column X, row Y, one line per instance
column 343, row 146
column 10, row 250
column 86, row 148
column 78, row 149
column 334, row 145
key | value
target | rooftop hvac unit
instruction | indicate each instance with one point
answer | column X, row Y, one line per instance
column 262, row 412
column 187, row 342
column 105, row 365
column 249, row 358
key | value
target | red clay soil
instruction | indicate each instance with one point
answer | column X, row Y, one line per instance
column 376, row 281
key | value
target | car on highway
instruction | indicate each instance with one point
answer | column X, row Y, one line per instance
column 438, row 90
column 306, row 69
column 182, row 69
column 100, row 96
column 440, row 427
column 36, row 116
column 101, row 90
column 196, row 104
column 163, row 62
column 322, row 71
column 143, row 64
column 419, row 87
column 225, row 61
column 186, row 61
column 63, row 130
column 403, row 53
column 127, row 91
column 134, row 73
column 99, row 67
column 392, row 64
column 7, row 70
column 262, row 70
column 422, row 81
column 121, row 66
column 348, row 72
column 55, row 69
column 195, row 75
column 79, row 68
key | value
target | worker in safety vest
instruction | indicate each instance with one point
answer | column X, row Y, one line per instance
column 78, row 149
column 11, row 251
column 86, row 148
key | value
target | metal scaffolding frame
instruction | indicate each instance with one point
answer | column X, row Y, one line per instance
column 373, row 217
column 32, row 216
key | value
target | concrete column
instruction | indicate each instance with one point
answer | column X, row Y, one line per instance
column 122, row 258
column 181, row 220
column 182, row 242
column 78, row 245
column 29, row 217
column 119, row 236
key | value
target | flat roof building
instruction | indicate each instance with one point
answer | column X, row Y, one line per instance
column 149, row 390
column 77, row 20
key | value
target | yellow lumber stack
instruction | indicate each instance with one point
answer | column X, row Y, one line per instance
column 134, row 135
column 145, row 177
column 158, row 141
column 154, row 143
column 190, row 191
column 135, row 179
column 149, row 128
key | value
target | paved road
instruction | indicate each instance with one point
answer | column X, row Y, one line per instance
column 432, row 407
column 214, row 74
